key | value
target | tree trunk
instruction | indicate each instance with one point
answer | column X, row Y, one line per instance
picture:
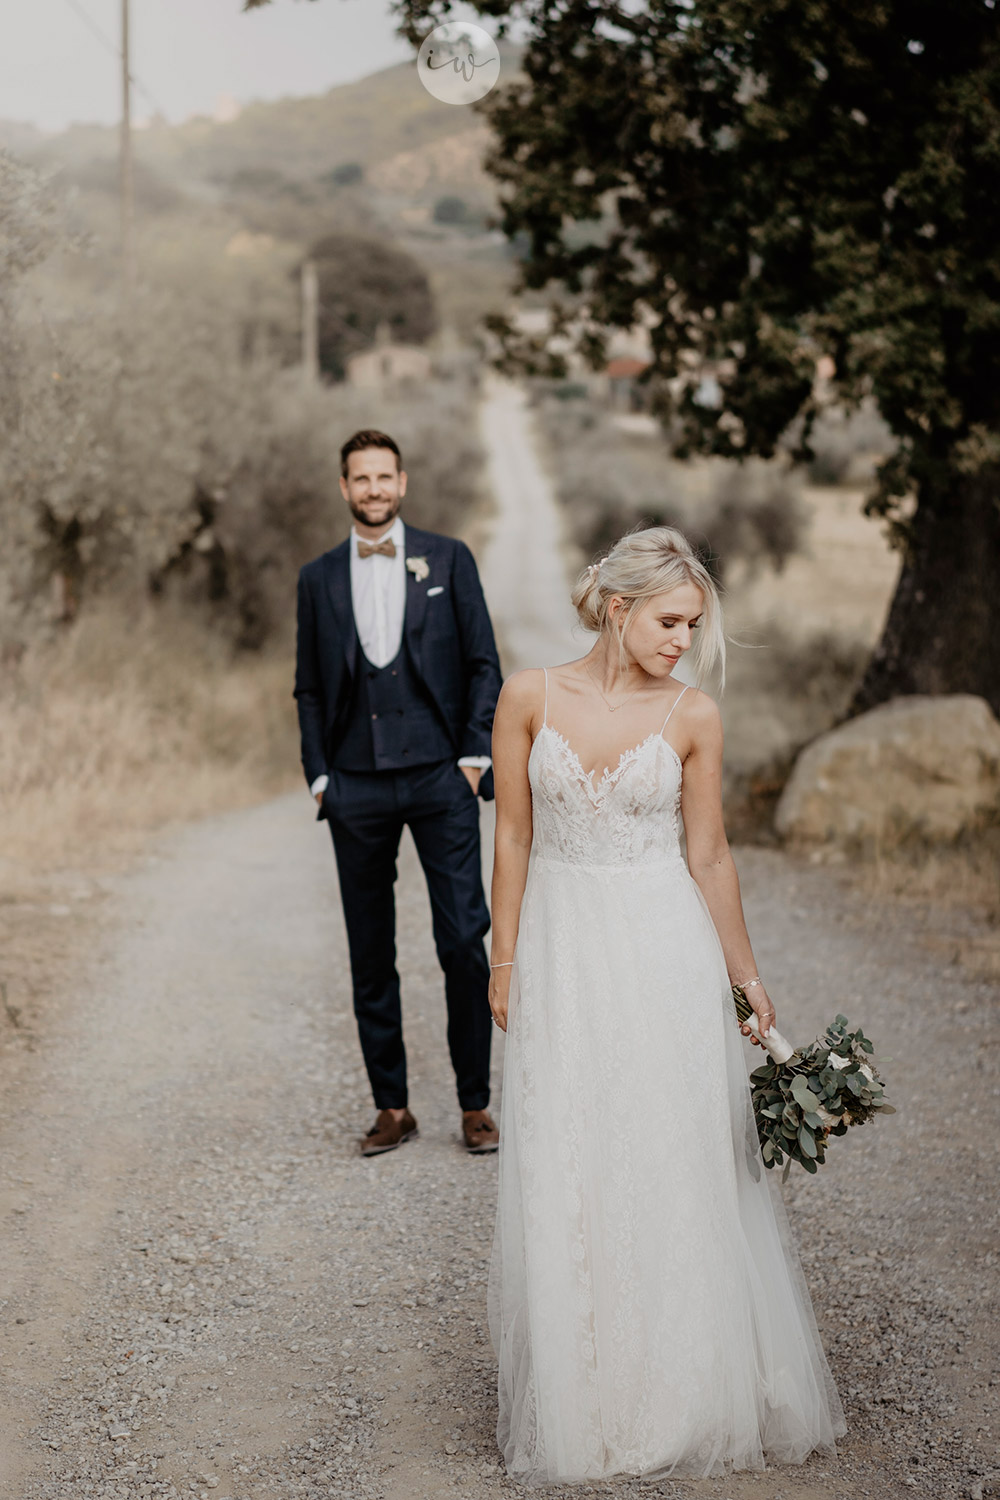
column 942, row 634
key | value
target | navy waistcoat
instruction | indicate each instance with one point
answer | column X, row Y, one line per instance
column 392, row 721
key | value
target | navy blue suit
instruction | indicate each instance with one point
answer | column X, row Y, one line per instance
column 389, row 739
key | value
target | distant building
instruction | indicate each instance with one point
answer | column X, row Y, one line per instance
column 623, row 388
column 389, row 364
column 227, row 109
column 617, row 384
column 246, row 242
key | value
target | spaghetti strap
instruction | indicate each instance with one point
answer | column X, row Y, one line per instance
column 545, row 710
column 673, row 705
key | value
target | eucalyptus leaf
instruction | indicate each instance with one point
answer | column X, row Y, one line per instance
column 802, row 1093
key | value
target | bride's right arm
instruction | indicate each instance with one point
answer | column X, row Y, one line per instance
column 517, row 705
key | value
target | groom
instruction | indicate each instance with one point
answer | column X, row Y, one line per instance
column 396, row 681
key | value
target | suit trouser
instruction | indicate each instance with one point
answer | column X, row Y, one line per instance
column 366, row 812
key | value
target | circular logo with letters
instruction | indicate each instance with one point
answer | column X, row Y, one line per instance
column 458, row 63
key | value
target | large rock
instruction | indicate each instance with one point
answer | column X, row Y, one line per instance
column 924, row 767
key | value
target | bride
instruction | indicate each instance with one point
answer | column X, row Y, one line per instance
column 647, row 1306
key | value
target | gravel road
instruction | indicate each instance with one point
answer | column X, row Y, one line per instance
column 205, row 1291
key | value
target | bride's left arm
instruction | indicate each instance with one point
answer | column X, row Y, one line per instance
column 709, row 857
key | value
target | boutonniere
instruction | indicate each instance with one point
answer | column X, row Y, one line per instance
column 418, row 567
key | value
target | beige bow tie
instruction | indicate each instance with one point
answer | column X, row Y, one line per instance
column 386, row 546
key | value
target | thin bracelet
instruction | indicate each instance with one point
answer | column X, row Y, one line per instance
column 503, row 966
column 744, row 984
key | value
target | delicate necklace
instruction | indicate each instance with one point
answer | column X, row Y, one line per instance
column 612, row 707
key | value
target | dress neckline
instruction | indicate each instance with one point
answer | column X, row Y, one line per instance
column 611, row 774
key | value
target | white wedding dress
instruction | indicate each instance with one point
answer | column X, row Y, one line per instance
column 647, row 1305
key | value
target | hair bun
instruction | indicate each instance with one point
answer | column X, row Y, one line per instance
column 586, row 597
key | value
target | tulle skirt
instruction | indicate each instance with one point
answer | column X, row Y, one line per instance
column 647, row 1306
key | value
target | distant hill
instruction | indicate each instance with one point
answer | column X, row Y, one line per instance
column 17, row 137
column 380, row 156
column 362, row 122
column 452, row 164
column 369, row 122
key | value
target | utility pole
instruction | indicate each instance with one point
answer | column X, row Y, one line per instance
column 310, row 320
column 127, row 193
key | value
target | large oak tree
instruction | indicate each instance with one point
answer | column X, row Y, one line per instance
column 770, row 182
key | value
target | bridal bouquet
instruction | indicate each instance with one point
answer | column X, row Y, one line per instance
column 804, row 1095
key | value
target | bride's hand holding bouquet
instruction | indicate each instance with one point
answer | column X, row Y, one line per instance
column 762, row 1009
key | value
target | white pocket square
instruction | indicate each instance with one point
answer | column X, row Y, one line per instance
column 438, row 590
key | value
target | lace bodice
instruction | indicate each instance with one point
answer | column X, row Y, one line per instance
column 629, row 817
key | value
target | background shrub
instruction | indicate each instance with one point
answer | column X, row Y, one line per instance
column 611, row 481
column 848, row 447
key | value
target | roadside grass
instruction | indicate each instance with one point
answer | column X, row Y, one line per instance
column 964, row 876
column 130, row 720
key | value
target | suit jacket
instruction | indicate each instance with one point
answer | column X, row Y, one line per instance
column 449, row 638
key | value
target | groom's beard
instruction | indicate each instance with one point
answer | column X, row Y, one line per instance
column 375, row 512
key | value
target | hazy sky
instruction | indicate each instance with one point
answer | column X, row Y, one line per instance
column 187, row 53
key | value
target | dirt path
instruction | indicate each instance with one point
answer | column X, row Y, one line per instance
column 204, row 1291
column 524, row 566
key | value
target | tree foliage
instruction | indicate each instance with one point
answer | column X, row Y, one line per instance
column 363, row 283
column 29, row 215
column 451, row 210
column 764, row 184
column 144, row 442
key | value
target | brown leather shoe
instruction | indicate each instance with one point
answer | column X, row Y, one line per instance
column 479, row 1131
column 387, row 1133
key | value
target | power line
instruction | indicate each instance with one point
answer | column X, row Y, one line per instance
column 116, row 51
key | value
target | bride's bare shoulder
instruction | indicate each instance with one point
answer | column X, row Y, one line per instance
column 523, row 692
column 701, row 714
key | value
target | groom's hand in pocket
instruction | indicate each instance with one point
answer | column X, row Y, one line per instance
column 473, row 776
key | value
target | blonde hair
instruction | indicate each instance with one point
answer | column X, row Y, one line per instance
column 639, row 566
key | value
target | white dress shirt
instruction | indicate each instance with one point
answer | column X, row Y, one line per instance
column 378, row 596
